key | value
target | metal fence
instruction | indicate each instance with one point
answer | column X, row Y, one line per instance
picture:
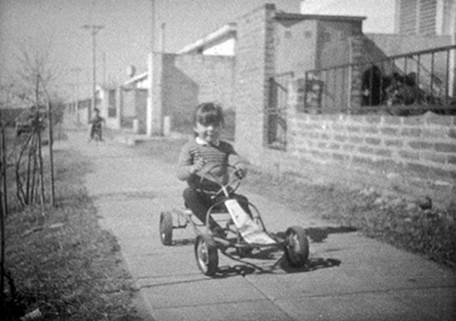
column 416, row 81
column 276, row 110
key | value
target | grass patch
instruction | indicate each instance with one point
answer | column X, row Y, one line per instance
column 62, row 263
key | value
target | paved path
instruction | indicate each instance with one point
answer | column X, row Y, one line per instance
column 351, row 277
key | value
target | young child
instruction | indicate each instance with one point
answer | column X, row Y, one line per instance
column 204, row 152
column 95, row 125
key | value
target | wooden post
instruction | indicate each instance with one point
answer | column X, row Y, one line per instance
column 3, row 154
column 51, row 143
column 51, row 153
column 40, row 160
column 2, row 222
column 32, row 194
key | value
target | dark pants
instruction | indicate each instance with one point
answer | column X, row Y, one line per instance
column 200, row 202
column 95, row 130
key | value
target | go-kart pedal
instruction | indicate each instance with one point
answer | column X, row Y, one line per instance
column 218, row 231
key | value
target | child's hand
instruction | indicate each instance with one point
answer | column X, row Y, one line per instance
column 199, row 164
column 240, row 173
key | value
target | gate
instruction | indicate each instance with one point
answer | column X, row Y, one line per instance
column 276, row 111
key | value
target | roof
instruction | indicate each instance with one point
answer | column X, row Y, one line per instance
column 221, row 33
column 136, row 78
column 299, row 16
column 230, row 29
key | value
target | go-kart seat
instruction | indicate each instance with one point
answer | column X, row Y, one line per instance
column 219, row 208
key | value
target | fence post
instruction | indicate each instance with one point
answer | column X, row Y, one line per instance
column 354, row 74
column 119, row 107
column 452, row 69
column 306, row 80
column 3, row 213
column 3, row 168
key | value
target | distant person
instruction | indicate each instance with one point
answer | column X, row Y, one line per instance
column 203, row 152
column 96, row 126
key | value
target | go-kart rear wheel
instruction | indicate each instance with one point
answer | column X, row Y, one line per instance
column 166, row 228
column 297, row 246
column 206, row 254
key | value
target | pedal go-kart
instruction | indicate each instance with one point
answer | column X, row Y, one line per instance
column 238, row 233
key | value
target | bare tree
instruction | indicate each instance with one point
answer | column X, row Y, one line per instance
column 37, row 78
column 36, row 74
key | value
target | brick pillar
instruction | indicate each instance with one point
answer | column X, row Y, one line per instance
column 295, row 105
column 157, row 102
column 296, row 95
column 355, row 74
column 104, row 103
column 452, row 67
column 254, row 67
column 119, row 107
column 154, row 109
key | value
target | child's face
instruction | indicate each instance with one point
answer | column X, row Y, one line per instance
column 209, row 133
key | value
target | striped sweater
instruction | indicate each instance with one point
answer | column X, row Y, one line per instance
column 221, row 154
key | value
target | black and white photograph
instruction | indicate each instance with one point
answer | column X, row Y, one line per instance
column 228, row 160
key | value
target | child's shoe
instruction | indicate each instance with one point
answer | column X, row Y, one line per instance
column 218, row 232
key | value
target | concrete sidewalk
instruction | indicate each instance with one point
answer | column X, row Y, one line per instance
column 350, row 277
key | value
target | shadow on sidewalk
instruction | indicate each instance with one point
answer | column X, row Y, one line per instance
column 313, row 264
column 319, row 234
column 281, row 264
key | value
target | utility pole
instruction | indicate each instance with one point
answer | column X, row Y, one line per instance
column 76, row 70
column 150, row 117
column 94, row 29
column 163, row 37
column 104, row 68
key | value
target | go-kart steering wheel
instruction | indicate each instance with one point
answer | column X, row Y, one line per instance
column 235, row 175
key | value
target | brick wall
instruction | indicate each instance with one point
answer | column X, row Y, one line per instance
column 411, row 153
column 418, row 17
column 428, row 13
column 408, row 16
column 424, row 145
column 141, row 106
column 254, row 65
column 188, row 80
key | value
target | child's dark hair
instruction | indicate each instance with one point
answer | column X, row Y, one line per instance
column 208, row 113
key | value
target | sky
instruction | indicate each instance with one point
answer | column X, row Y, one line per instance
column 55, row 26
column 379, row 13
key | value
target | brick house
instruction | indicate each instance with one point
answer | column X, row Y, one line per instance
column 415, row 153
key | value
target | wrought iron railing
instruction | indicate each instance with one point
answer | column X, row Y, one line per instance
column 276, row 110
column 415, row 81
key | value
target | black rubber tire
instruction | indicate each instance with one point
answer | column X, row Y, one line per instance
column 297, row 246
column 206, row 255
column 166, row 228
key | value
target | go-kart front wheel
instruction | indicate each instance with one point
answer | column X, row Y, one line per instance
column 206, row 254
column 297, row 246
column 166, row 228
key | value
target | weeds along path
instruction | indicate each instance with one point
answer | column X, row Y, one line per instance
column 63, row 265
